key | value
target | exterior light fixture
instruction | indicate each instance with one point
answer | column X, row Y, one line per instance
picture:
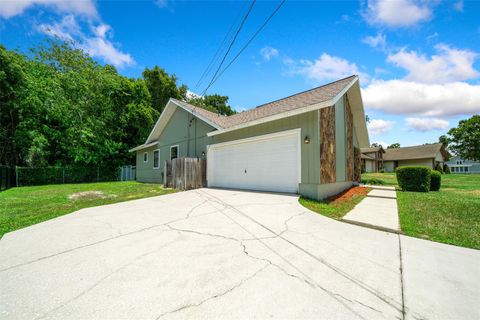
column 203, row 153
column 306, row 140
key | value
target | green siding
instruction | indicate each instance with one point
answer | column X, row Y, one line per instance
column 340, row 141
column 310, row 153
column 190, row 136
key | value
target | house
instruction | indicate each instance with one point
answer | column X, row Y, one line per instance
column 308, row 143
column 460, row 165
column 372, row 159
column 428, row 155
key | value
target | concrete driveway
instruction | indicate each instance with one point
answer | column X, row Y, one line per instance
column 228, row 254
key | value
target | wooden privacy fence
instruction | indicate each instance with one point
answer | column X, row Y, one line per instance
column 185, row 173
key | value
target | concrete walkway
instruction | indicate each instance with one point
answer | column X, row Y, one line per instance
column 378, row 210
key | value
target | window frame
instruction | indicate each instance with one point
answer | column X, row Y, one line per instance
column 178, row 151
column 145, row 154
column 153, row 162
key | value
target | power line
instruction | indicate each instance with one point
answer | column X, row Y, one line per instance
column 249, row 41
column 230, row 46
column 219, row 49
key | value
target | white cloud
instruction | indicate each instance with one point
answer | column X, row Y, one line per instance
column 325, row 68
column 458, row 6
column 425, row 124
column 162, row 3
column 397, row 13
column 408, row 97
column 379, row 126
column 268, row 53
column 11, row 8
column 379, row 41
column 447, row 65
column 97, row 45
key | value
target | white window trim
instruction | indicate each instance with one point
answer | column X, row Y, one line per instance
column 154, row 159
column 178, row 151
column 145, row 161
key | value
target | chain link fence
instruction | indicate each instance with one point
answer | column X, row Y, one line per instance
column 31, row 176
column 7, row 177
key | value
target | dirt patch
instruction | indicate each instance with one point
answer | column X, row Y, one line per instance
column 347, row 195
column 84, row 195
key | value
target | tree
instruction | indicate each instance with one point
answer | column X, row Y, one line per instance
column 215, row 103
column 162, row 87
column 375, row 145
column 465, row 139
column 443, row 139
column 394, row 146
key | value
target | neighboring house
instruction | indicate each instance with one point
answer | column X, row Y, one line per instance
column 425, row 155
column 307, row 143
column 459, row 165
column 372, row 159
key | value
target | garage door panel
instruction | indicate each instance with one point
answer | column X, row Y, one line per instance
column 270, row 164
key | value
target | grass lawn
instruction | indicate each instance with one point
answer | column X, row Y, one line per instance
column 451, row 215
column 24, row 206
column 338, row 206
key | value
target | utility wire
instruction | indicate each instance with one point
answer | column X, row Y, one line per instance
column 230, row 46
column 219, row 49
column 249, row 41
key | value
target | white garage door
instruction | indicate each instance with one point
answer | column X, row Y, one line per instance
column 268, row 163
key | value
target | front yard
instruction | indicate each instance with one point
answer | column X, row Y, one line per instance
column 451, row 215
column 25, row 206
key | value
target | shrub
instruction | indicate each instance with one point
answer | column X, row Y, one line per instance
column 435, row 180
column 414, row 178
column 446, row 169
column 439, row 167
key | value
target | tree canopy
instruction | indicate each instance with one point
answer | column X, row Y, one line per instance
column 215, row 103
column 394, row 146
column 464, row 140
column 60, row 107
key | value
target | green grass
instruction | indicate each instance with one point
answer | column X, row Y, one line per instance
column 25, row 206
column 451, row 215
column 388, row 179
column 332, row 209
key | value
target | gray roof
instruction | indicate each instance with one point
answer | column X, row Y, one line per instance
column 370, row 149
column 415, row 152
column 296, row 101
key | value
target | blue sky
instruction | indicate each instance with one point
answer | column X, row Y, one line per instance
column 418, row 61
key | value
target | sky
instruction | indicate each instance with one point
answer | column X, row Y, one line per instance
column 418, row 61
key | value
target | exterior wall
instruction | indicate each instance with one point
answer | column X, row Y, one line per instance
column 184, row 130
column 369, row 166
column 416, row 162
column 390, row 165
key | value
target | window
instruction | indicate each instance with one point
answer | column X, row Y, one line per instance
column 145, row 157
column 173, row 152
column 156, row 159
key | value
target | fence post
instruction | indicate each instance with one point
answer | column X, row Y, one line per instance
column 16, row 176
column 98, row 174
column 63, row 175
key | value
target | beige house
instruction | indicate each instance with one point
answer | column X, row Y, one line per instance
column 372, row 159
column 425, row 155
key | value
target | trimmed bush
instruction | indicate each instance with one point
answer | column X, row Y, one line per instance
column 414, row 178
column 435, row 180
column 446, row 169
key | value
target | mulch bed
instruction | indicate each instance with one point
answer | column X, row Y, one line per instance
column 347, row 195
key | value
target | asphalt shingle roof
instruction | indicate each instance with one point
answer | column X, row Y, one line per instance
column 416, row 152
column 296, row 101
